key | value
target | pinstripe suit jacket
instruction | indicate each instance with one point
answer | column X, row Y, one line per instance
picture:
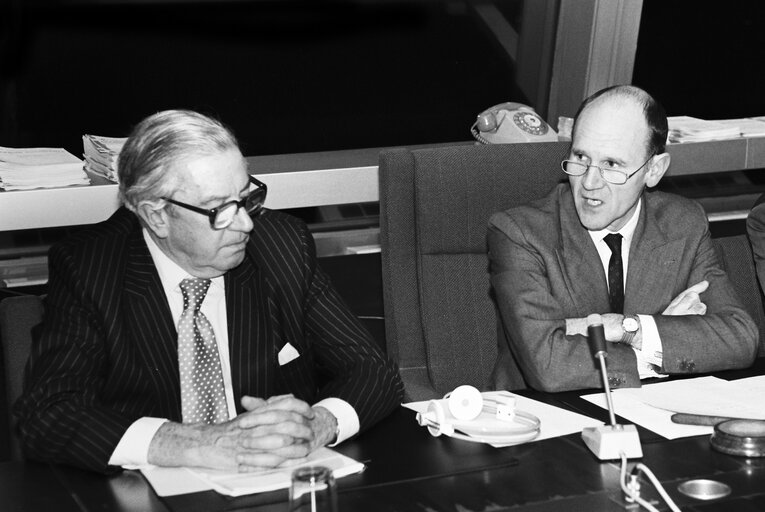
column 107, row 352
column 545, row 268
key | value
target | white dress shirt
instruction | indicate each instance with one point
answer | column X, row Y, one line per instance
column 651, row 352
column 133, row 449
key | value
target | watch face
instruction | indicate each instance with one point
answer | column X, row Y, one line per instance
column 630, row 324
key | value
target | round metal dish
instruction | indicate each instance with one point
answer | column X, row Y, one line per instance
column 745, row 438
column 702, row 489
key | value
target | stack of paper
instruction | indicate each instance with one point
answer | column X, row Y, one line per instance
column 101, row 155
column 174, row 481
column 30, row 168
column 751, row 126
column 691, row 129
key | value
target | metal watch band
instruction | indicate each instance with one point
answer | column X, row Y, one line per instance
column 628, row 336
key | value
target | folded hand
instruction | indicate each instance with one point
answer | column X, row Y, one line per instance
column 279, row 431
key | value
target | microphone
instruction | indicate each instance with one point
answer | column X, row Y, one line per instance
column 596, row 336
column 608, row 441
column 596, row 339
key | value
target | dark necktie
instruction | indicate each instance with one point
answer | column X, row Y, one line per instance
column 203, row 398
column 615, row 273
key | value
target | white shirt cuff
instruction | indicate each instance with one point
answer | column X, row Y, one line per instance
column 347, row 419
column 132, row 452
column 650, row 354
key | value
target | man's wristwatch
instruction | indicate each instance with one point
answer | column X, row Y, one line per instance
column 630, row 326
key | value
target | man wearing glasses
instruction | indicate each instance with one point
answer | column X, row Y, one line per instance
column 193, row 327
column 602, row 243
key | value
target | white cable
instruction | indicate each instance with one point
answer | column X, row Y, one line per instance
column 655, row 481
column 659, row 487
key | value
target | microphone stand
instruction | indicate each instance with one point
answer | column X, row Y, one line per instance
column 608, row 441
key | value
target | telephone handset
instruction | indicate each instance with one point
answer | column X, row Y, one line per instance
column 511, row 122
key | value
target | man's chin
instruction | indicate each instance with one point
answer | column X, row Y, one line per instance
column 232, row 261
column 591, row 222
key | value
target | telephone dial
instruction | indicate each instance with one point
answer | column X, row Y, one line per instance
column 511, row 122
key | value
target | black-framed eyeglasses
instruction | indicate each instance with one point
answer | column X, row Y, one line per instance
column 615, row 176
column 222, row 216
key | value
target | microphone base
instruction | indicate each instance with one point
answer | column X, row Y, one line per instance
column 609, row 441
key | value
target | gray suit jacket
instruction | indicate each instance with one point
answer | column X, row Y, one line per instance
column 545, row 268
column 755, row 228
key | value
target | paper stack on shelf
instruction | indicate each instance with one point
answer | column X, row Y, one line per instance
column 692, row 129
column 30, row 168
column 750, row 126
column 101, row 155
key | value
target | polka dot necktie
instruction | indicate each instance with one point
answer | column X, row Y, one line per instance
column 615, row 273
column 203, row 398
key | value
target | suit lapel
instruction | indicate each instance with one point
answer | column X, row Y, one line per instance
column 654, row 261
column 577, row 256
column 251, row 345
column 149, row 319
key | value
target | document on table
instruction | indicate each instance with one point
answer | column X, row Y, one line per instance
column 653, row 405
column 554, row 421
column 173, row 481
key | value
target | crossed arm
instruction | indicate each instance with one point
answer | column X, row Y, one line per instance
column 687, row 302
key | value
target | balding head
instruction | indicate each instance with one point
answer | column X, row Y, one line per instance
column 653, row 113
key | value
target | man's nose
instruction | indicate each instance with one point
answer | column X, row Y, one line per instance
column 242, row 221
column 592, row 178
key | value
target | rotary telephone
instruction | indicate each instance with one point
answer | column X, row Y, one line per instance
column 511, row 122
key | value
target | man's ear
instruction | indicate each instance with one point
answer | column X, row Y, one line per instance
column 155, row 217
column 656, row 169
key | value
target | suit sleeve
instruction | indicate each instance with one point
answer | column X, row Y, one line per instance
column 755, row 227
column 61, row 416
column 724, row 338
column 355, row 370
column 534, row 318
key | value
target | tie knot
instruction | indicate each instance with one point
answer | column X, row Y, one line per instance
column 194, row 291
column 614, row 242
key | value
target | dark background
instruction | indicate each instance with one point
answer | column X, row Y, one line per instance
column 702, row 58
column 287, row 76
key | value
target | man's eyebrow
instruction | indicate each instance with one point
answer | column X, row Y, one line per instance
column 617, row 160
column 219, row 200
column 215, row 200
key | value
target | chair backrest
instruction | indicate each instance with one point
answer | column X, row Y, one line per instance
column 434, row 208
column 18, row 317
column 738, row 262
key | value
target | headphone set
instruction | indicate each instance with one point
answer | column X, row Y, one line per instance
column 466, row 414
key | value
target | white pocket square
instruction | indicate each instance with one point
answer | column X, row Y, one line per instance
column 287, row 354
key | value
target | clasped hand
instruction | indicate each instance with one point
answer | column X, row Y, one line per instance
column 271, row 433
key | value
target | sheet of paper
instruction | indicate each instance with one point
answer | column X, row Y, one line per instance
column 174, row 481
column 652, row 405
column 708, row 396
column 656, row 420
column 554, row 421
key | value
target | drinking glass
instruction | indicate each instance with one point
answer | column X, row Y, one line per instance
column 313, row 490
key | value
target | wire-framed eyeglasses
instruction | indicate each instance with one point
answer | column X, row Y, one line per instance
column 222, row 216
column 615, row 176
